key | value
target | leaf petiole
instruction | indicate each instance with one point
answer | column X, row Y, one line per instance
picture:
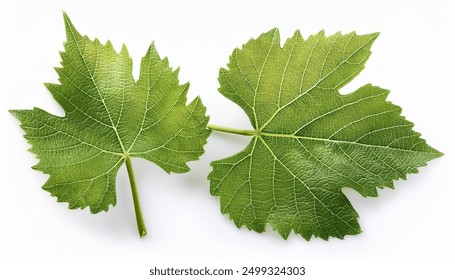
column 232, row 130
column 137, row 205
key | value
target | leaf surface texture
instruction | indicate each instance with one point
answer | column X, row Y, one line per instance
column 310, row 141
column 108, row 117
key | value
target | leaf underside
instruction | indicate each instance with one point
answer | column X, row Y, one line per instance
column 310, row 140
column 108, row 117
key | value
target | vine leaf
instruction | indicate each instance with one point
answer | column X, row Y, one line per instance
column 110, row 118
column 309, row 141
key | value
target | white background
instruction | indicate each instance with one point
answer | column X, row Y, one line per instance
column 408, row 231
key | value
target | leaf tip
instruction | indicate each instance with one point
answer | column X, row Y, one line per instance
column 375, row 34
column 274, row 30
column 152, row 53
column 17, row 113
column 65, row 15
column 371, row 37
column 67, row 20
column 176, row 72
column 124, row 50
column 275, row 33
column 13, row 112
column 284, row 234
column 152, row 47
column 71, row 31
column 297, row 34
column 436, row 154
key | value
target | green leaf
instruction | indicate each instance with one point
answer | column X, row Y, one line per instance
column 110, row 118
column 309, row 141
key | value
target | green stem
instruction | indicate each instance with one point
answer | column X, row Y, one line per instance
column 232, row 130
column 137, row 205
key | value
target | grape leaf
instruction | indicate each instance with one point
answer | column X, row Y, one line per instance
column 110, row 118
column 309, row 141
